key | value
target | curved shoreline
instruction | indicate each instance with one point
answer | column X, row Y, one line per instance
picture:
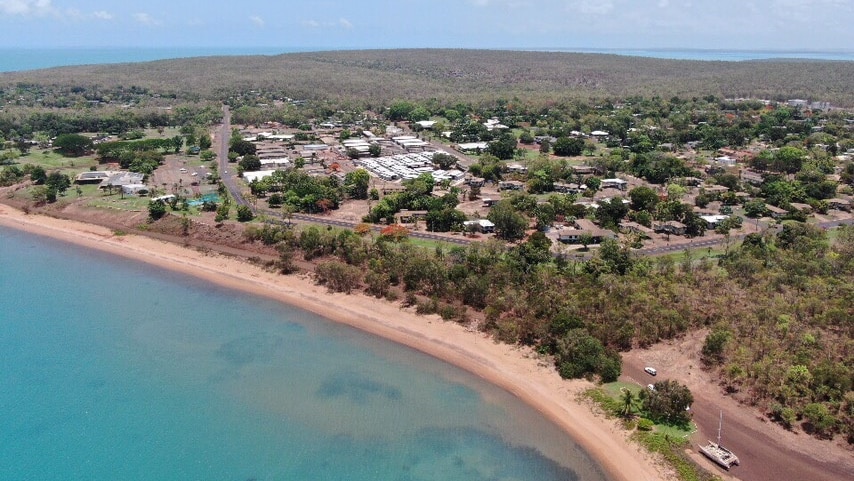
column 506, row 366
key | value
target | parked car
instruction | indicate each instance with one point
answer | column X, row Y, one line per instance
column 650, row 370
column 650, row 387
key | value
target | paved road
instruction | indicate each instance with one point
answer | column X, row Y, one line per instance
column 763, row 458
column 228, row 176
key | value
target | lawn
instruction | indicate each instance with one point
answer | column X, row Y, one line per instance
column 431, row 244
column 50, row 160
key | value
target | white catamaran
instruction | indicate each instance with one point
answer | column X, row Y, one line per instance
column 718, row 453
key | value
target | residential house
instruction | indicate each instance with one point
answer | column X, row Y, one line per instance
column 619, row 184
column 91, row 177
column 584, row 169
column 775, row 212
column 751, row 177
column 670, row 227
column 628, row 226
column 410, row 216
column 511, row 185
column 571, row 188
column 135, row 189
column 475, row 181
column 517, row 169
column 584, row 227
column 118, row 179
column 713, row 221
column 483, row 226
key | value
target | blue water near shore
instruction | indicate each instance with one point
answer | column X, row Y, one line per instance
column 29, row 59
column 112, row 369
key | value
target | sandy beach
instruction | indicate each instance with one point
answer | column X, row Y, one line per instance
column 509, row 367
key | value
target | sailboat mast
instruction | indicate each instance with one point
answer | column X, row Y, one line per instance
column 720, row 423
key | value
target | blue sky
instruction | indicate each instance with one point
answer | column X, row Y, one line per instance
column 301, row 24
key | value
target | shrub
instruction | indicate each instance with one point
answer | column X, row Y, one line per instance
column 645, row 424
column 156, row 209
column 338, row 276
column 244, row 213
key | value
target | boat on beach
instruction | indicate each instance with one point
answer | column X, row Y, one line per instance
column 719, row 454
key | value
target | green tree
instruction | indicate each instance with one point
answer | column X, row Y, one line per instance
column 714, row 346
column 568, row 147
column 578, row 354
column 444, row 161
column 244, row 213
column 58, row 182
column 375, row 150
column 504, row 147
column 243, row 147
column 400, row 110
column 510, row 225
column 37, row 173
column 250, row 163
column 207, row 155
column 643, row 198
column 73, row 145
column 629, row 401
column 419, row 113
column 156, row 209
column 612, row 212
column 821, row 421
column 755, row 208
column 204, row 141
column 356, row 183
column 668, row 402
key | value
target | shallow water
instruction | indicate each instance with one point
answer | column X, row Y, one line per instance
column 115, row 370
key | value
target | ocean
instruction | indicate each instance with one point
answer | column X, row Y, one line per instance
column 113, row 369
column 17, row 59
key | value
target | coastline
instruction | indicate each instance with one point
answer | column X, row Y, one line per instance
column 506, row 366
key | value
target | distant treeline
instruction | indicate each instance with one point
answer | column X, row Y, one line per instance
column 376, row 77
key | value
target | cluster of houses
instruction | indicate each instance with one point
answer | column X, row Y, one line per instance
column 407, row 167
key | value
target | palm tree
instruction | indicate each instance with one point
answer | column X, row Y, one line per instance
column 629, row 402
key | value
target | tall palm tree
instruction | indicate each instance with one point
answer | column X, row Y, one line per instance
column 629, row 401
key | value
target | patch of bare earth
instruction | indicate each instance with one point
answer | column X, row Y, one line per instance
column 766, row 450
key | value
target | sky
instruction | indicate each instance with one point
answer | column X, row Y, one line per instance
column 514, row 24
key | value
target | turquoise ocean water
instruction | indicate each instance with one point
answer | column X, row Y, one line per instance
column 114, row 370
column 15, row 59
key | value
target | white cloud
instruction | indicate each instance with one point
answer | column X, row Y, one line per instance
column 340, row 23
column 102, row 15
column 27, row 7
column 258, row 21
column 147, row 19
column 593, row 7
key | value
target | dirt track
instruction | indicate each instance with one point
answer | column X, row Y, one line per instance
column 767, row 452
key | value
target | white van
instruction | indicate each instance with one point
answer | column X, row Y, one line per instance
column 183, row 170
column 650, row 370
